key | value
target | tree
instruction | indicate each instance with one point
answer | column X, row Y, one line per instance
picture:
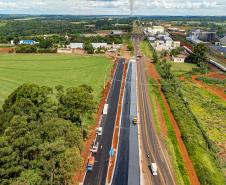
column 39, row 143
column 155, row 57
column 89, row 47
column 45, row 44
column 175, row 52
column 199, row 57
column 29, row 177
column 26, row 49
column 70, row 162
column 75, row 103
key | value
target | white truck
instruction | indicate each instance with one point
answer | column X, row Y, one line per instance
column 154, row 168
column 94, row 148
column 99, row 131
column 105, row 110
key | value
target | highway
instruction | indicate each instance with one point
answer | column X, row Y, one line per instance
column 127, row 170
column 151, row 145
column 99, row 173
column 122, row 164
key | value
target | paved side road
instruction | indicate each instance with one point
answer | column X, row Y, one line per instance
column 99, row 173
column 122, row 164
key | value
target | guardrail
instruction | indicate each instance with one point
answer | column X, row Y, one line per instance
column 211, row 61
column 217, row 65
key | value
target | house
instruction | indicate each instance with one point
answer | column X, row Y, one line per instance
column 165, row 43
column 154, row 30
column 28, row 42
column 223, row 41
column 179, row 58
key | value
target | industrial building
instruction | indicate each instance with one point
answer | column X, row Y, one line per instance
column 28, row 42
column 199, row 36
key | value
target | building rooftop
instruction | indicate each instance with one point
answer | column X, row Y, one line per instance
column 76, row 45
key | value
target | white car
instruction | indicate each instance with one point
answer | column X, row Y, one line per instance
column 154, row 168
column 94, row 148
column 99, row 131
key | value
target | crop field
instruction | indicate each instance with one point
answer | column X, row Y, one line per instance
column 181, row 68
column 210, row 111
column 52, row 70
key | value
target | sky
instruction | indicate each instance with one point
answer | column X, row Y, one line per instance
column 115, row 7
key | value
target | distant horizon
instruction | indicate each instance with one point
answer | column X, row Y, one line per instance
column 107, row 15
column 115, row 7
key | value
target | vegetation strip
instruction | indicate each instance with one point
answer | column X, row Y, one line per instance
column 192, row 134
column 173, row 133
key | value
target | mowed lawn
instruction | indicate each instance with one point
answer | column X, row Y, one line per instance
column 52, row 70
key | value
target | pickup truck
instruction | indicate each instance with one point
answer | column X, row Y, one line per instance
column 94, row 148
column 154, row 168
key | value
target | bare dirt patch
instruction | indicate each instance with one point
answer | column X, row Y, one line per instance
column 7, row 50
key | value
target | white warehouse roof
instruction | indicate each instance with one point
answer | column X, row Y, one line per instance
column 76, row 45
column 99, row 45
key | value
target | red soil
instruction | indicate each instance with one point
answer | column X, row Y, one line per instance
column 78, row 176
column 188, row 163
column 7, row 50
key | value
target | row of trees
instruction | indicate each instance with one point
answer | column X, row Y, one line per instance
column 43, row 46
column 41, row 135
column 13, row 29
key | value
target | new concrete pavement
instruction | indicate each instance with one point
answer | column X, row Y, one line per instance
column 127, row 169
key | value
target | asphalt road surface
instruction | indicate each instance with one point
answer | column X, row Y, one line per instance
column 99, row 173
column 122, row 164
column 152, row 146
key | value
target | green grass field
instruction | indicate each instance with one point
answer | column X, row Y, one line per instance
column 145, row 48
column 181, row 68
column 52, row 70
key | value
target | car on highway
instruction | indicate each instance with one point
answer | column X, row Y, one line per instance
column 135, row 120
column 154, row 168
column 90, row 164
column 105, row 110
column 95, row 147
column 99, row 131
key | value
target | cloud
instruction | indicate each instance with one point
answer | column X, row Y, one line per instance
column 147, row 7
